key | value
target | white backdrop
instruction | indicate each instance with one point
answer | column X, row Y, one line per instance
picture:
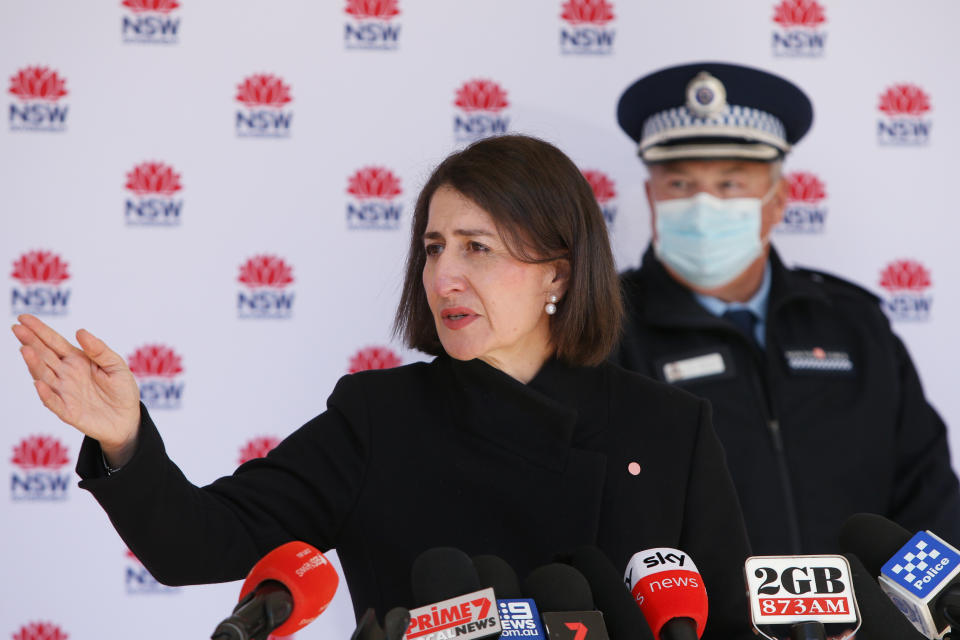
column 309, row 183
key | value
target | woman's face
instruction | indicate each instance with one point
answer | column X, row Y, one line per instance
column 485, row 303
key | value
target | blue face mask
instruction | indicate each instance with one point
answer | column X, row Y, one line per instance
column 708, row 241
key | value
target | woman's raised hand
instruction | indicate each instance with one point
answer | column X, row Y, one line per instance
column 90, row 388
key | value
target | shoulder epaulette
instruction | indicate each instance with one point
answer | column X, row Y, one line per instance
column 836, row 281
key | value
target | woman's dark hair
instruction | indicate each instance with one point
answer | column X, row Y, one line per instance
column 544, row 209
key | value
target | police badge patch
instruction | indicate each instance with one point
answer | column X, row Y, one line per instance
column 818, row 360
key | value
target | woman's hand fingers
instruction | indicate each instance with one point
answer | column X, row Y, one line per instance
column 57, row 343
column 50, row 399
column 38, row 368
column 29, row 339
column 98, row 351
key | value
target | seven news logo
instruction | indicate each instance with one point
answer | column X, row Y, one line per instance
column 801, row 31
column 153, row 185
column 374, row 205
column 41, row 275
column 157, row 369
column 257, row 447
column 38, row 91
column 264, row 95
column 371, row 26
column 138, row 581
column 604, row 190
column 906, row 282
column 587, row 31
column 265, row 279
column 150, row 22
column 481, row 104
column 806, row 211
column 40, row 631
column 903, row 124
column 370, row 358
column 41, row 476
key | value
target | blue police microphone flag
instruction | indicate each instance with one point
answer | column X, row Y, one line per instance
column 802, row 596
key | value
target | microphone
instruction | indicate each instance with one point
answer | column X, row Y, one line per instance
column 285, row 591
column 620, row 613
column 368, row 628
column 395, row 623
column 669, row 590
column 446, row 577
column 518, row 616
column 879, row 618
column 564, row 596
column 805, row 597
column 920, row 573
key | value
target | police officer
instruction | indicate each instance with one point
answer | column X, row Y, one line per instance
column 816, row 401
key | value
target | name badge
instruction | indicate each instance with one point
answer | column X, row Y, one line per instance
column 708, row 364
column 818, row 360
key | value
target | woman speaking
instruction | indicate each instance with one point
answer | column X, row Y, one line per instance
column 517, row 439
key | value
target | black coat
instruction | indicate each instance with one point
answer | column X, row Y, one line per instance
column 809, row 440
column 457, row 454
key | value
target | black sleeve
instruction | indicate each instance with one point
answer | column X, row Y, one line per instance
column 303, row 490
column 926, row 494
column 715, row 536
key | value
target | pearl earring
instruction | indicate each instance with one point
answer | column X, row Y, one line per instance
column 551, row 307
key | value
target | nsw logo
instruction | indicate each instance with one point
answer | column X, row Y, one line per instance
column 370, row 358
column 41, row 276
column 41, row 475
column 257, row 447
column 922, row 564
column 799, row 31
column 138, row 581
column 153, row 203
column 806, row 210
column 371, row 25
column 902, row 122
column 38, row 92
column 158, row 369
column 40, row 631
column 605, row 191
column 480, row 111
column 150, row 22
column 906, row 282
column 587, row 29
column 264, row 97
column 265, row 294
column 374, row 203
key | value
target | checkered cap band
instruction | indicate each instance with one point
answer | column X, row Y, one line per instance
column 733, row 121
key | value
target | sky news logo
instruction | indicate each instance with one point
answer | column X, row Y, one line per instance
column 605, row 191
column 264, row 293
column 806, row 210
column 906, row 283
column 153, row 187
column 40, row 472
column 138, row 581
column 150, row 22
column 257, row 447
column 158, row 369
column 374, row 203
column 370, row 358
column 264, row 97
column 903, row 121
column 922, row 564
column 587, row 28
column 41, row 276
column 372, row 24
column 40, row 631
column 480, row 111
column 799, row 31
column 37, row 106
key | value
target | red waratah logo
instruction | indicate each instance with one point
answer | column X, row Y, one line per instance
column 904, row 100
column 38, row 83
column 799, row 13
column 40, row 631
column 153, row 178
column 379, row 9
column 597, row 12
column 905, row 275
column 374, row 182
column 40, row 452
column 263, row 90
column 266, row 271
column 257, row 448
column 40, row 267
column 805, row 187
column 155, row 361
column 159, row 6
column 374, row 358
column 481, row 95
column 602, row 186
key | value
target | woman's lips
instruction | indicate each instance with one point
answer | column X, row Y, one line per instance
column 457, row 317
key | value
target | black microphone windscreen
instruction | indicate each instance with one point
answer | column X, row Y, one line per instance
column 395, row 623
column 558, row 587
column 873, row 539
column 495, row 572
column 881, row 620
column 442, row 573
column 621, row 614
